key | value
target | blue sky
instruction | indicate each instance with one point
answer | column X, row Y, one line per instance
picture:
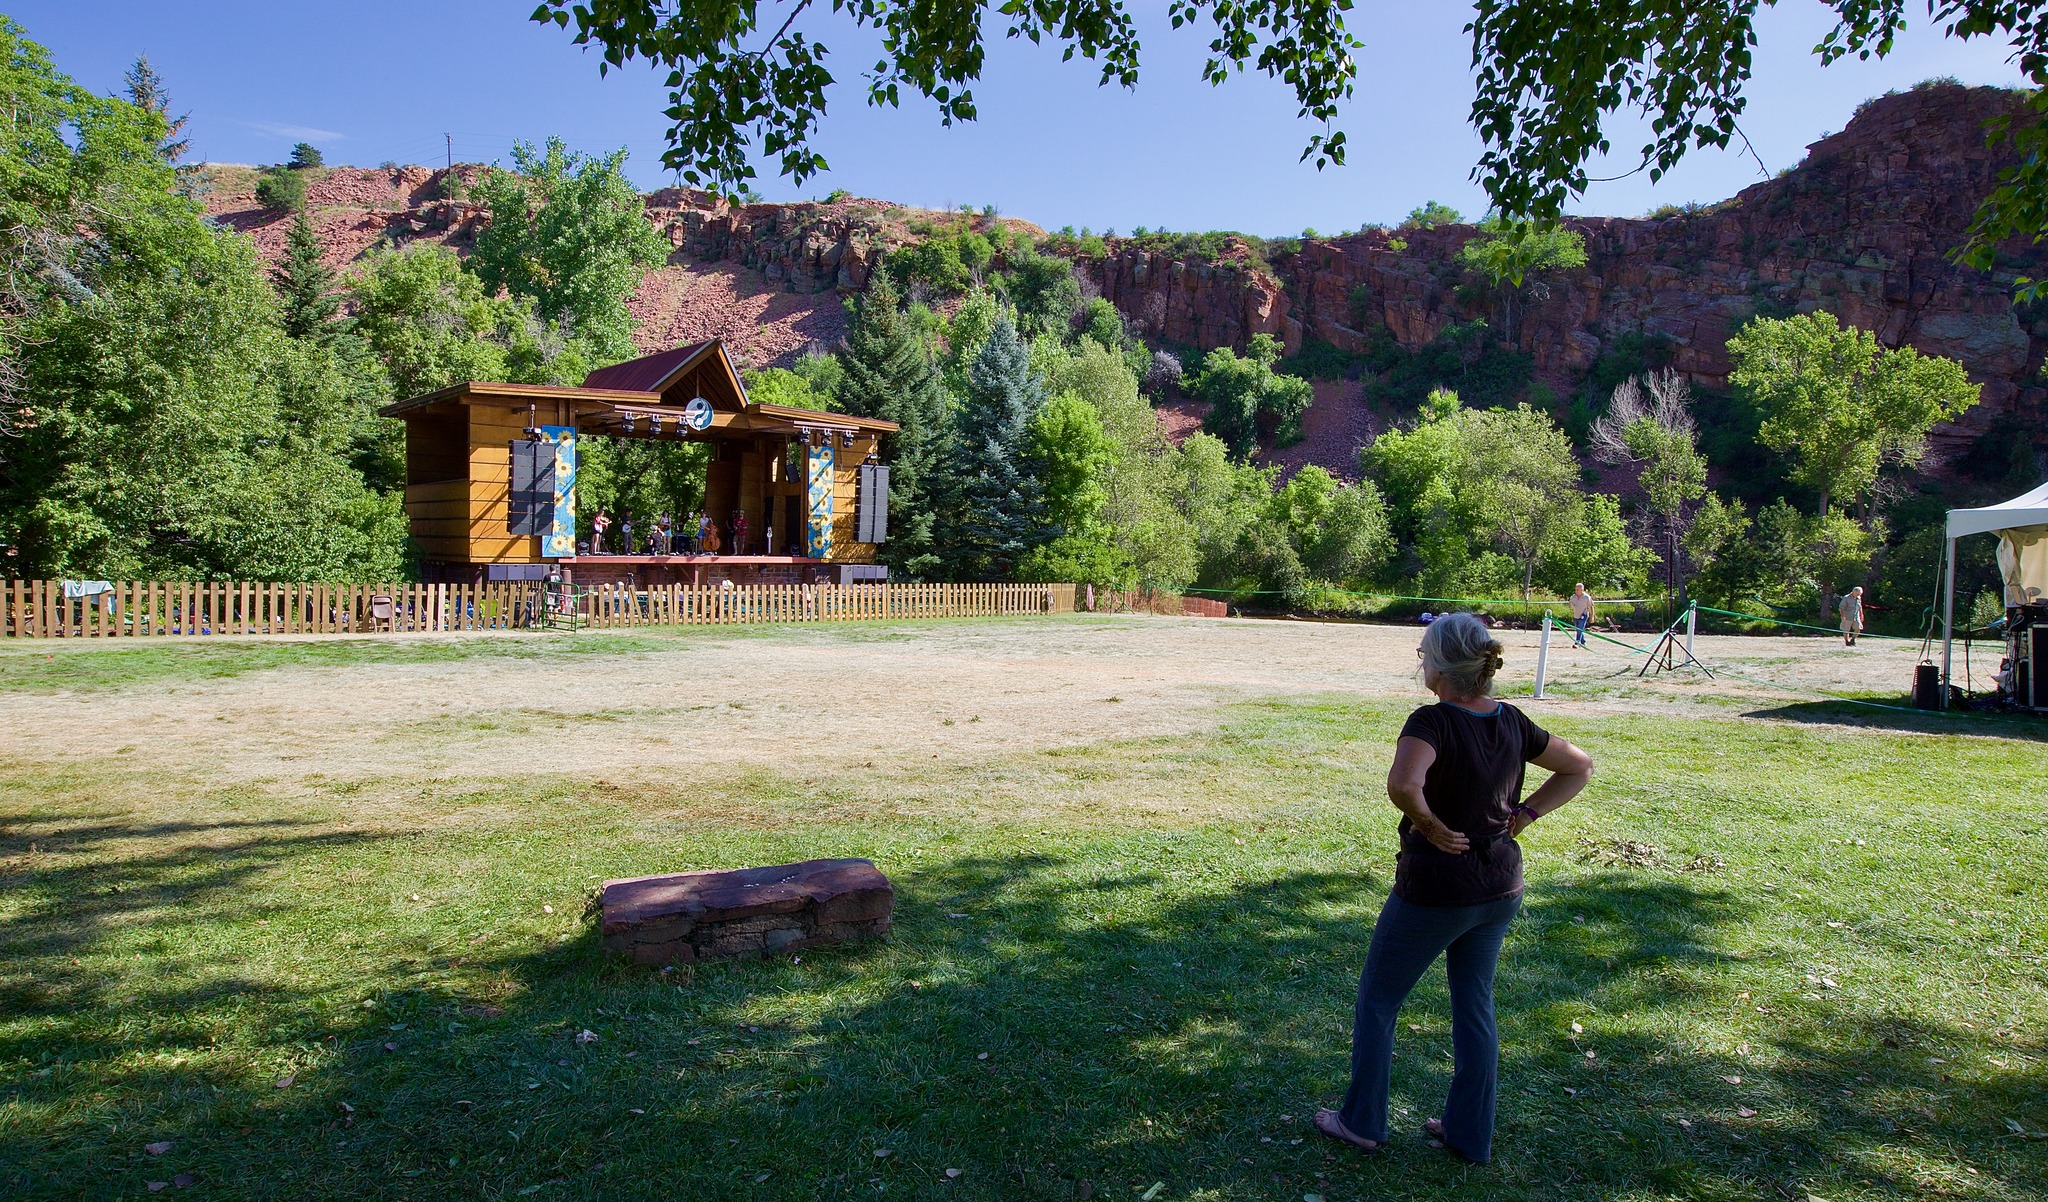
column 375, row 80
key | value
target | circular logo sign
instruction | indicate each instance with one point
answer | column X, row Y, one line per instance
column 697, row 414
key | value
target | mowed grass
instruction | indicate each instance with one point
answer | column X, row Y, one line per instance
column 1759, row 959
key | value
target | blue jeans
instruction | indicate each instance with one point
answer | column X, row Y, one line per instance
column 1406, row 940
column 1579, row 635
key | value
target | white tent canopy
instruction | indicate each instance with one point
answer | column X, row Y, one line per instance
column 2021, row 525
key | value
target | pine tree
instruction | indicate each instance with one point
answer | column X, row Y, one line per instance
column 304, row 283
column 890, row 374
column 304, row 155
column 146, row 91
column 993, row 509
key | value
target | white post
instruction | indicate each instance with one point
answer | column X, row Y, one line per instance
column 1692, row 617
column 1948, row 614
column 1542, row 657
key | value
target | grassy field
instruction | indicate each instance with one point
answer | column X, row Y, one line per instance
column 1759, row 959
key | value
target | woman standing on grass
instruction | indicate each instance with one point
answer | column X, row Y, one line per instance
column 1457, row 780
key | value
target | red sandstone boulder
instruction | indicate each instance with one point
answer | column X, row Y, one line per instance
column 688, row 916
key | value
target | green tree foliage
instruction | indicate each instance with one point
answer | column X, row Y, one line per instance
column 1430, row 215
column 992, row 510
column 177, row 431
column 1592, row 547
column 1782, row 559
column 147, row 92
column 305, row 155
column 1043, row 292
column 735, row 83
column 783, row 386
column 1485, row 497
column 281, row 190
column 1649, row 423
column 571, row 232
column 1839, row 402
column 1153, row 540
column 1338, row 532
column 642, row 478
column 888, row 373
column 942, row 265
column 304, row 282
column 1247, row 398
column 1513, row 260
column 431, row 324
column 1070, row 451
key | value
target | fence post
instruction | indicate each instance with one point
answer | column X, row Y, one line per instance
column 1542, row 658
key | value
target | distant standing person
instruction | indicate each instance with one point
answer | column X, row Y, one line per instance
column 1852, row 615
column 1457, row 780
column 1582, row 612
column 599, row 523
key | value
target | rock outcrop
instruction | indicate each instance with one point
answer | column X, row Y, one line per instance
column 1861, row 228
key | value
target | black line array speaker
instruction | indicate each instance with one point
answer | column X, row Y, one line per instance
column 2030, row 676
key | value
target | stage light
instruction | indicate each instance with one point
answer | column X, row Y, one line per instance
column 846, row 439
column 629, row 423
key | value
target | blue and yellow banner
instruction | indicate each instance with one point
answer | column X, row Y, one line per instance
column 818, row 538
column 560, row 540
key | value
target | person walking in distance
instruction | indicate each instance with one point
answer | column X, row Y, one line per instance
column 1457, row 780
column 1582, row 613
column 1851, row 611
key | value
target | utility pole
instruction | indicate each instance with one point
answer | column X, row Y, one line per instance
column 451, row 150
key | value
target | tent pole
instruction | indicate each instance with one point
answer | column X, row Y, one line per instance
column 1948, row 614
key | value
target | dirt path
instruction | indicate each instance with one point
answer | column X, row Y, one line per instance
column 820, row 697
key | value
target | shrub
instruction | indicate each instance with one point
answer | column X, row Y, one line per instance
column 1430, row 215
column 281, row 190
column 836, row 195
column 1163, row 376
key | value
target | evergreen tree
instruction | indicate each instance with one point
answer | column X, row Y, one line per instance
column 304, row 283
column 888, row 372
column 305, row 155
column 146, row 91
column 993, row 512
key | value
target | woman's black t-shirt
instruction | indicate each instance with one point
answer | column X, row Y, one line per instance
column 1472, row 787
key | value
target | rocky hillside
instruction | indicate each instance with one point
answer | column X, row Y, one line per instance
column 1860, row 228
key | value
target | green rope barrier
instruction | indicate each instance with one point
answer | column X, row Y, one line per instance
column 1279, row 592
column 1708, row 609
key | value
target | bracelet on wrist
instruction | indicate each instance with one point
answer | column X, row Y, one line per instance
column 1527, row 811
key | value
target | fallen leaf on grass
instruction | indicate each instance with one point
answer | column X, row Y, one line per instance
column 952, row 1174
column 1744, row 1112
column 284, row 1082
column 183, row 1179
column 881, row 1153
column 1577, row 1029
column 154, row 1186
column 586, row 1037
column 760, row 1177
column 636, row 1111
column 1152, row 1193
column 1732, row 1080
column 158, row 1149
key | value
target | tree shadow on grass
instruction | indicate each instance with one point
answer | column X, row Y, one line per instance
column 1960, row 722
column 1051, row 1026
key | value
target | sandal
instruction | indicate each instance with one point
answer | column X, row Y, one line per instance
column 1434, row 1129
column 1327, row 1122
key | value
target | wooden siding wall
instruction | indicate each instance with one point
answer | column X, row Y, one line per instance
column 143, row 608
column 491, row 431
column 846, row 547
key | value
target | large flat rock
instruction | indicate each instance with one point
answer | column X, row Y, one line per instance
column 686, row 916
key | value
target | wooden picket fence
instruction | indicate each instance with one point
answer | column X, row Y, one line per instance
column 1153, row 601
column 682, row 605
column 149, row 608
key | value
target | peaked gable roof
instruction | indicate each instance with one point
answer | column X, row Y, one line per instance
column 650, row 373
